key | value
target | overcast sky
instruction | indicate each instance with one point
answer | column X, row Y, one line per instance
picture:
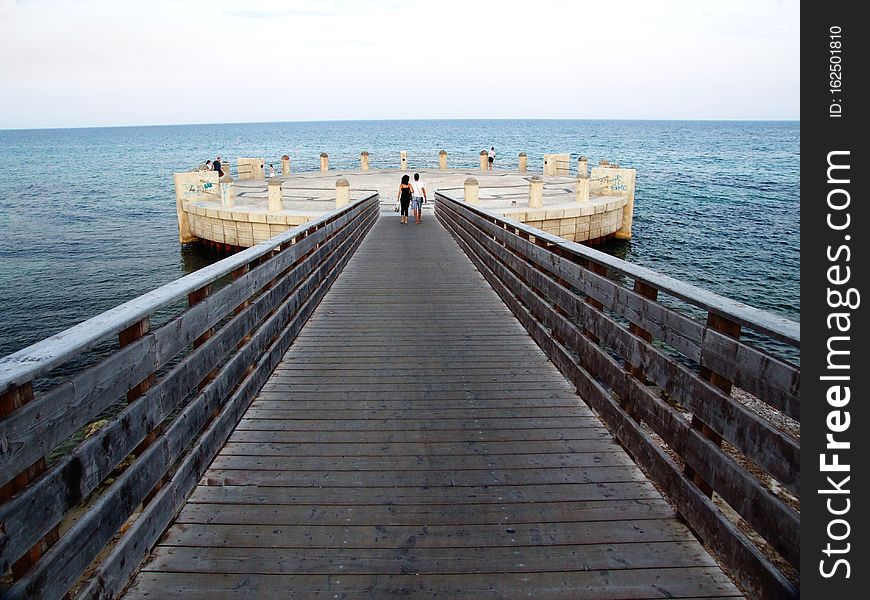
column 110, row 62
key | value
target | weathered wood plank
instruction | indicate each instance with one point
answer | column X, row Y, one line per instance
column 428, row 560
column 641, row 584
column 438, row 514
column 409, row 495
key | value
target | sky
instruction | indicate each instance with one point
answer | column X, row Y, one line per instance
column 82, row 63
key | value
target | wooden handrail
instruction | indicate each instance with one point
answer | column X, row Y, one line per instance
column 779, row 328
column 39, row 358
column 646, row 368
column 178, row 390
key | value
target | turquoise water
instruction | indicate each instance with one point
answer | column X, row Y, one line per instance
column 87, row 216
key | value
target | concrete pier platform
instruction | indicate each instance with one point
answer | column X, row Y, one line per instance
column 558, row 208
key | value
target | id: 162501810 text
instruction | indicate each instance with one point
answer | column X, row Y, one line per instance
column 835, row 73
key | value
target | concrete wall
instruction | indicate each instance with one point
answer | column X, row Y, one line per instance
column 614, row 181
column 579, row 223
column 251, row 168
column 239, row 228
column 557, row 164
column 192, row 186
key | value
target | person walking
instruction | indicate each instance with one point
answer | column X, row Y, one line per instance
column 418, row 198
column 490, row 158
column 216, row 166
column 404, row 197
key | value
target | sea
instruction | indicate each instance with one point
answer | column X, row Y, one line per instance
column 87, row 216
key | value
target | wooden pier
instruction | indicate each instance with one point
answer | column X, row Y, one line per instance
column 364, row 412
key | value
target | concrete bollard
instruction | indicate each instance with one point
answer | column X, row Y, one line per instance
column 285, row 165
column 442, row 160
column 524, row 163
column 582, row 166
column 342, row 193
column 536, row 192
column 228, row 194
column 472, row 191
column 364, row 160
column 403, row 160
column 276, row 197
column 324, row 162
column 603, row 163
column 582, row 190
column 483, row 160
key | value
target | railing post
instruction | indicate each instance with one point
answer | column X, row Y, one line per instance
column 647, row 291
column 228, row 194
column 285, row 165
column 364, row 160
column 472, row 191
column 728, row 327
column 599, row 270
column 194, row 298
column 582, row 166
column 125, row 338
column 10, row 401
column 484, row 156
column 524, row 162
column 442, row 160
column 582, row 189
column 403, row 160
column 342, row 193
column 276, row 195
column 324, row 162
column 536, row 191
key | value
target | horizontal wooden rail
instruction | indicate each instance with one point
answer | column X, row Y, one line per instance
column 176, row 391
column 661, row 381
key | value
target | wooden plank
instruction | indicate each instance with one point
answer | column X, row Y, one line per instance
column 684, row 582
column 396, row 495
column 515, row 423
column 432, row 514
column 414, row 449
column 452, row 436
column 428, row 560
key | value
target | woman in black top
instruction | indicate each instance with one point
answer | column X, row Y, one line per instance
column 404, row 197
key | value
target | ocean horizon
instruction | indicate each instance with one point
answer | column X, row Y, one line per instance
column 87, row 214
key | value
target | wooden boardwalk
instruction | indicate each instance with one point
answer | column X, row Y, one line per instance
column 416, row 442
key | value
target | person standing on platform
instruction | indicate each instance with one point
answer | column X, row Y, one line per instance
column 216, row 166
column 419, row 197
column 208, row 166
column 404, row 196
column 490, row 158
column 271, row 171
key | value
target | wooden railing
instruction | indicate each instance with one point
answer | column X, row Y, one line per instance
column 661, row 381
column 179, row 389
